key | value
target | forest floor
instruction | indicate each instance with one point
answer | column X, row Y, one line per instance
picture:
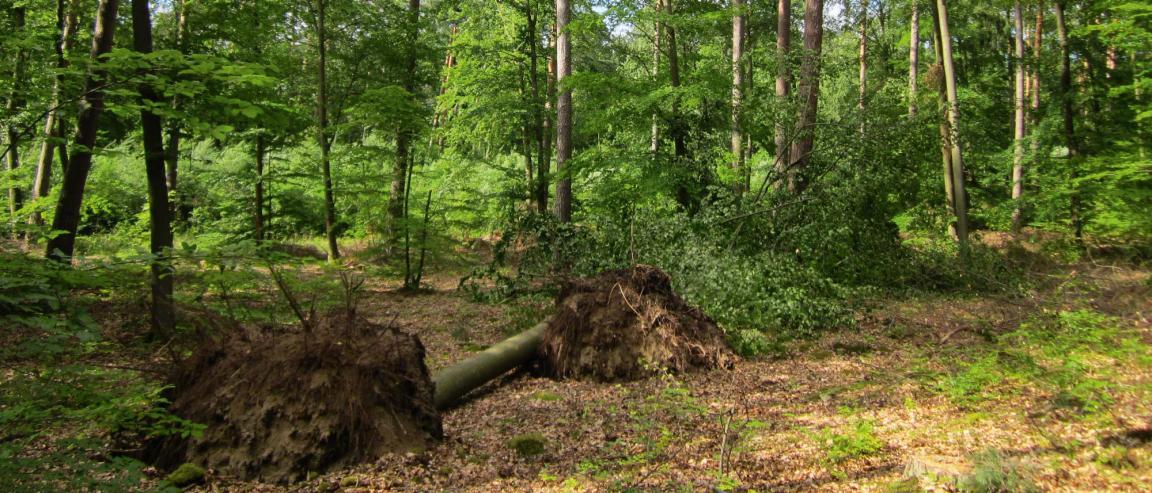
column 1051, row 391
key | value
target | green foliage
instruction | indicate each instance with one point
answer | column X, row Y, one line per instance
column 858, row 441
column 994, row 473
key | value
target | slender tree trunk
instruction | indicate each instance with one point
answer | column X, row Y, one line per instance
column 958, row 189
column 676, row 125
column 542, row 191
column 658, row 30
column 1068, row 111
column 862, row 102
column 809, row 93
column 67, row 217
column 14, row 105
column 737, row 134
column 54, row 122
column 258, row 219
column 563, row 112
column 174, row 131
column 539, row 188
column 1037, row 60
column 945, row 131
column 913, row 59
column 1019, row 128
column 163, row 314
column 396, row 216
column 783, row 81
column 322, row 131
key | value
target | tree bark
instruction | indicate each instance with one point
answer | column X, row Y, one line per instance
column 322, row 131
column 862, row 102
column 404, row 135
column 958, row 190
column 563, row 112
column 1019, row 129
column 456, row 381
column 174, row 130
column 945, row 131
column 67, row 217
column 258, row 230
column 539, row 188
column 14, row 105
column 783, row 81
column 54, row 122
column 1068, row 111
column 658, row 30
column 737, row 135
column 162, row 310
column 545, row 164
column 676, row 126
column 809, row 93
column 913, row 60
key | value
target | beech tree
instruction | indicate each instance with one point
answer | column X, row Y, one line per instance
column 809, row 94
column 563, row 111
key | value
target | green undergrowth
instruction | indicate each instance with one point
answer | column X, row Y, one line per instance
column 1074, row 359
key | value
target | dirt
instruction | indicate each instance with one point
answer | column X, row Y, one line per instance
column 282, row 406
column 626, row 325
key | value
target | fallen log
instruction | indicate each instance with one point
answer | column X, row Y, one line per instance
column 456, row 381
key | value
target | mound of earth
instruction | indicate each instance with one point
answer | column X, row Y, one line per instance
column 628, row 324
column 279, row 406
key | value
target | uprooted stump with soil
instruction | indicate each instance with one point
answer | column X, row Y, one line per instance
column 279, row 406
column 628, row 324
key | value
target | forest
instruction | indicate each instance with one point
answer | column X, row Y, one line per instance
column 576, row 245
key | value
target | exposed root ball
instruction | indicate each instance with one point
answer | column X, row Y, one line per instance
column 628, row 324
column 281, row 405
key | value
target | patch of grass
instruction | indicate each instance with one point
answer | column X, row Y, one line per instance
column 528, row 444
column 858, row 441
column 992, row 472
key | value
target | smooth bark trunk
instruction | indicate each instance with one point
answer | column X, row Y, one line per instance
column 563, row 112
column 958, row 189
column 456, row 381
column 913, row 59
column 162, row 311
column 809, row 93
column 14, row 105
column 322, row 137
column 1068, row 111
column 783, row 82
column 258, row 230
column 1019, row 128
column 174, row 131
column 945, row 132
column 54, row 134
column 736, row 141
column 862, row 102
column 67, row 217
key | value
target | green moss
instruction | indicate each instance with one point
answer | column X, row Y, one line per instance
column 528, row 445
column 545, row 395
column 186, row 474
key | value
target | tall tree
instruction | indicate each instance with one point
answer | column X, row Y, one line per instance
column 322, row 136
column 163, row 315
column 404, row 132
column 913, row 58
column 737, row 134
column 53, row 122
column 959, row 194
column 13, row 106
column 677, row 125
column 1019, row 129
column 783, row 80
column 809, row 94
column 563, row 111
column 174, row 129
column 1068, row 112
column 862, row 102
column 67, row 218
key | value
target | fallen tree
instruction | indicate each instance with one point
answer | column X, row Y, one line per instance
column 620, row 325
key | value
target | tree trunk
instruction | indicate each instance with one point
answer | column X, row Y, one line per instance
column 1019, row 129
column 54, row 122
column 783, row 82
column 67, row 217
column 658, row 29
column 1069, row 113
column 809, row 93
column 258, row 219
column 174, row 131
column 563, row 112
column 322, row 131
column 862, row 102
column 163, row 314
column 539, row 187
column 945, row 131
column 545, row 163
column 913, row 60
column 737, row 134
column 454, row 382
column 958, row 189
column 15, row 103
column 404, row 135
